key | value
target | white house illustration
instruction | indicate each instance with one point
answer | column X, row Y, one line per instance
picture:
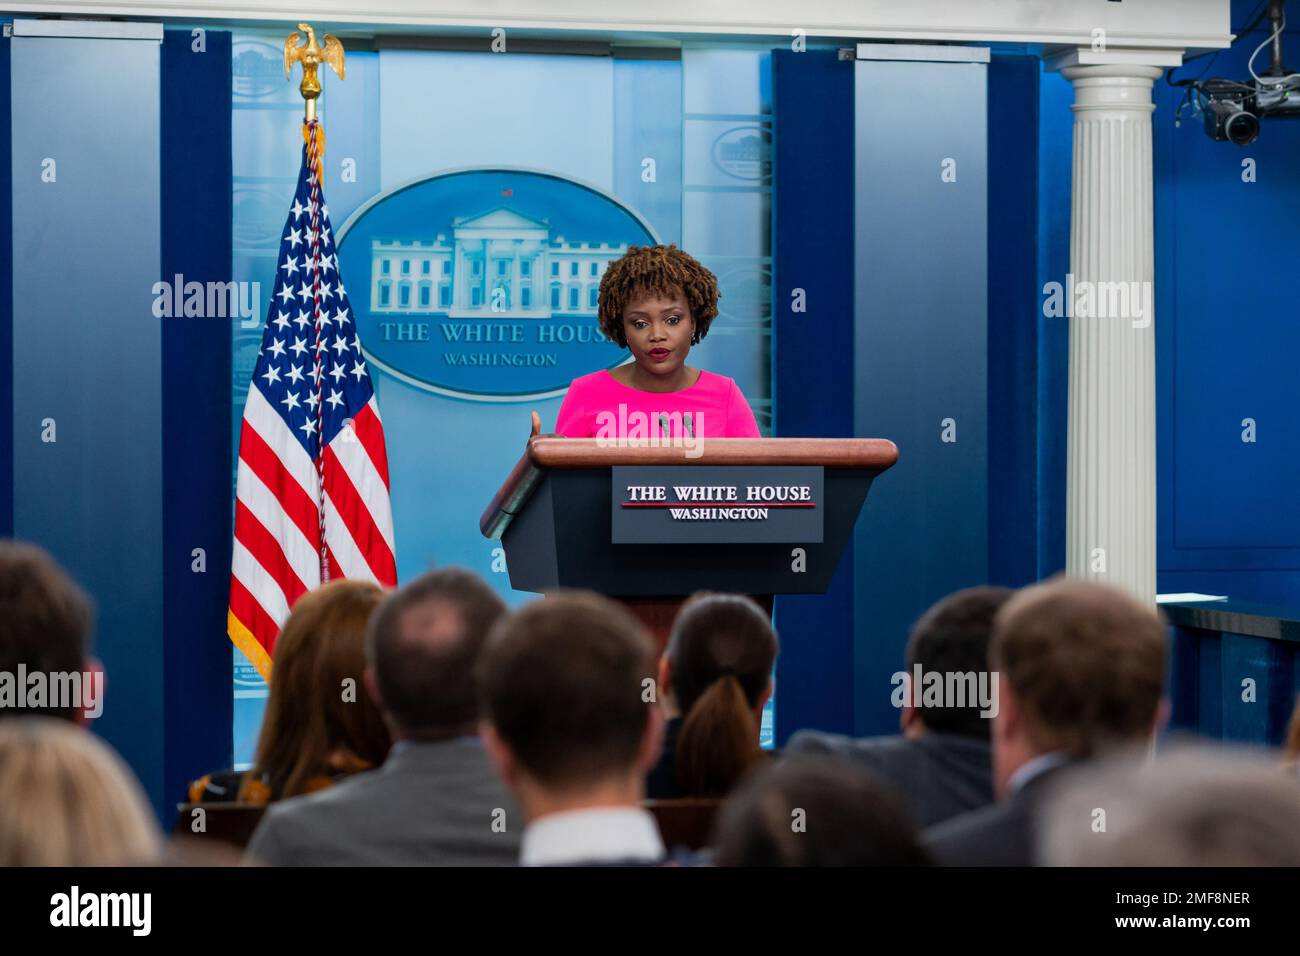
column 498, row 265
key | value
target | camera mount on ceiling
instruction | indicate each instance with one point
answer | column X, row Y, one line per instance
column 1233, row 109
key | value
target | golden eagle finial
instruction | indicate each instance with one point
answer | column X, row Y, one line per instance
column 311, row 56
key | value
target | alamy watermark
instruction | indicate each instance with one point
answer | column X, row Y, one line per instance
column 133, row 911
column 638, row 429
column 946, row 689
column 1086, row 299
column 208, row 300
column 52, row 690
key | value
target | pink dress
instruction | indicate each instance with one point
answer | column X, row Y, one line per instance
column 599, row 405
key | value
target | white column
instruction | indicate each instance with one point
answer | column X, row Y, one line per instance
column 1111, row 457
column 459, row 277
column 515, row 290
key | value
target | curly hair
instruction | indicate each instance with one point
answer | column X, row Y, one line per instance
column 657, row 270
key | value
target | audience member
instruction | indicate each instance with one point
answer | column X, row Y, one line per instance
column 1193, row 806
column 45, row 626
column 714, row 679
column 940, row 764
column 1080, row 670
column 435, row 800
column 571, row 727
column 815, row 811
column 320, row 723
column 66, row 799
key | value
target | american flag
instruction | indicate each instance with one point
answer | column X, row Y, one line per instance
column 312, row 483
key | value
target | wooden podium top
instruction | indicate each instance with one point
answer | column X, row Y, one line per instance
column 555, row 452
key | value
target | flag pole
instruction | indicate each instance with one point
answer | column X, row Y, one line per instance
column 311, row 55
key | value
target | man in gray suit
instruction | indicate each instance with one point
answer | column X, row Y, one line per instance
column 1081, row 667
column 940, row 764
column 436, row 799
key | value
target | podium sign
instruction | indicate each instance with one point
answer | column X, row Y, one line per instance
column 716, row 504
column 648, row 526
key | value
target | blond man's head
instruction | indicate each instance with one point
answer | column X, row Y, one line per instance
column 1081, row 669
column 69, row 800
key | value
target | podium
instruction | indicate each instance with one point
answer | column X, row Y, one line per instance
column 650, row 524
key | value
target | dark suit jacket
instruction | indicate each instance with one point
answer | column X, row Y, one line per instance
column 939, row 776
column 1003, row 834
column 430, row 804
column 661, row 781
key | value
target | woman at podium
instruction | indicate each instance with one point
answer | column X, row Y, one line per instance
column 656, row 301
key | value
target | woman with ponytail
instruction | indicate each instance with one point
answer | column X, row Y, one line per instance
column 714, row 679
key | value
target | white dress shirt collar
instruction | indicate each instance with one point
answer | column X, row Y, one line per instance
column 597, row 835
column 1036, row 767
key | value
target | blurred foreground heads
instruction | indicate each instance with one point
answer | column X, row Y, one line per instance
column 1194, row 806
column 572, row 729
column 45, row 626
column 1080, row 669
column 715, row 677
column 941, row 762
column 815, row 811
column 435, row 800
column 314, row 734
column 67, row 800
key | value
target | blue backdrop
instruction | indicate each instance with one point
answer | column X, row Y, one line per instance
column 757, row 162
column 119, row 453
column 677, row 150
